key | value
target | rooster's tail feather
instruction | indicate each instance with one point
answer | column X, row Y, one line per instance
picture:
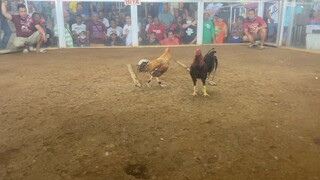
column 142, row 65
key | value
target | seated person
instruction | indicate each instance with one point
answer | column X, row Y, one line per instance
column 82, row 39
column 152, row 40
column 77, row 28
column 254, row 28
column 158, row 28
column 170, row 40
column 27, row 32
column 96, row 30
column 114, row 28
column 237, row 31
column 114, row 40
column 189, row 31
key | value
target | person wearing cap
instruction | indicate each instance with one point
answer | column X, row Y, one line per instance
column 255, row 28
column 96, row 30
column 27, row 31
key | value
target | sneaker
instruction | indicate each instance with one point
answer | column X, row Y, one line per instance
column 261, row 47
column 25, row 50
column 251, row 45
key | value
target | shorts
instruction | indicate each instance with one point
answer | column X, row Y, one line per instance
column 20, row 41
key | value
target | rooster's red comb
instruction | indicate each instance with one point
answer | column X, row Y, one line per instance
column 198, row 52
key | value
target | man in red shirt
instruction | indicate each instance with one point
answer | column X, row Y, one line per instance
column 28, row 32
column 170, row 40
column 254, row 28
column 158, row 28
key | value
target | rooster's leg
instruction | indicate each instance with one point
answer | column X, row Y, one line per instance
column 205, row 91
column 194, row 91
column 149, row 82
column 204, row 88
column 159, row 82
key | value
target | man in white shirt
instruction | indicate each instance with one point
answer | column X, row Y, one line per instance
column 114, row 28
column 77, row 28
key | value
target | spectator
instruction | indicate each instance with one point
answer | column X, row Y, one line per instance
column 114, row 40
column 213, row 9
column 77, row 28
column 67, row 32
column 36, row 18
column 152, row 40
column 170, row 40
column 221, row 29
column 114, row 13
column 96, row 30
column 158, row 28
column 82, row 39
column 104, row 20
column 272, row 15
column 149, row 23
column 27, row 32
column 255, row 28
column 176, row 27
column 237, row 30
column 165, row 16
column 5, row 28
column 189, row 31
column 208, row 30
column 114, row 28
column 49, row 35
column 127, row 31
column 181, row 10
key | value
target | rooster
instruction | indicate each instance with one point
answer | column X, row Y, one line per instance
column 201, row 68
column 156, row 67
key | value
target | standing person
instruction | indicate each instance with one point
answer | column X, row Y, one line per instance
column 6, row 30
column 165, row 16
column 28, row 33
column 189, row 31
column 272, row 14
column 127, row 31
column 254, row 28
column 221, row 29
column 208, row 30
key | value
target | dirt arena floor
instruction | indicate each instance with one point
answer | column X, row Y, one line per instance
column 76, row 114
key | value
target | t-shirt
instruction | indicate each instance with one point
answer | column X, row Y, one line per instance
column 96, row 32
column 24, row 27
column 129, row 35
column 274, row 12
column 253, row 24
column 166, row 18
column 166, row 41
column 159, row 29
column 208, row 31
column 78, row 28
column 189, row 34
column 117, row 30
column 219, row 31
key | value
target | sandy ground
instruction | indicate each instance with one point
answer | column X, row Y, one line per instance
column 75, row 114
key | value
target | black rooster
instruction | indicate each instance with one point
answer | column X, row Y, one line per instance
column 201, row 68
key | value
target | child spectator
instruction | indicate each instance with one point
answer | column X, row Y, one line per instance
column 152, row 40
column 82, row 39
column 114, row 40
column 237, row 30
column 170, row 40
column 221, row 29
